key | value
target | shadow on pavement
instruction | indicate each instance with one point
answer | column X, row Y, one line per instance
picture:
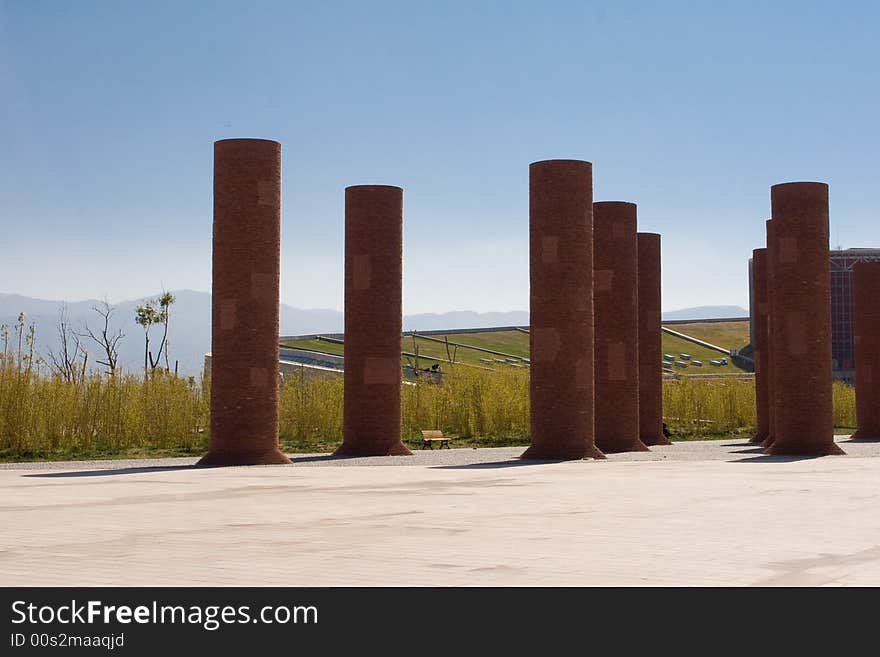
column 324, row 457
column 114, row 471
column 777, row 458
column 514, row 463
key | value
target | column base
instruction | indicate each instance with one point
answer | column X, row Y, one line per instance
column 759, row 437
column 866, row 434
column 652, row 441
column 777, row 449
column 562, row 453
column 393, row 449
column 637, row 446
column 223, row 457
column 768, row 442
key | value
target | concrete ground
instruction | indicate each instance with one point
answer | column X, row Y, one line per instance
column 694, row 513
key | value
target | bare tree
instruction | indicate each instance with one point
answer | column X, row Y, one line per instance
column 20, row 326
column 416, row 352
column 65, row 363
column 22, row 332
column 450, row 356
column 4, row 334
column 106, row 339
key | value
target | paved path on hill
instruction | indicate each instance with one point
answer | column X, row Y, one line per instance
column 690, row 338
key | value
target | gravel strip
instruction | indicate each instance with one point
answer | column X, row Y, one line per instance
column 483, row 457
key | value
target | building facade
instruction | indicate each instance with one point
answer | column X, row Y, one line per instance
column 842, row 348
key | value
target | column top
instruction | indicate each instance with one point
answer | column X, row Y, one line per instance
column 246, row 140
column 626, row 204
column 376, row 187
column 560, row 161
column 798, row 182
column 819, row 189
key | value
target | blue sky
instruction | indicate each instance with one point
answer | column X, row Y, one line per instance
column 108, row 112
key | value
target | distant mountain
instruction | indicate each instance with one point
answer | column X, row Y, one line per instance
column 190, row 324
column 189, row 329
column 296, row 321
column 464, row 319
column 706, row 312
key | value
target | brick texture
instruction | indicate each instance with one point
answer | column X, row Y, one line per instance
column 244, row 310
column 373, row 321
column 772, row 375
column 866, row 310
column 801, row 307
column 650, row 342
column 759, row 283
column 616, row 323
column 561, row 306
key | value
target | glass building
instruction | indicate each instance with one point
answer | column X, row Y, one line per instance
column 842, row 261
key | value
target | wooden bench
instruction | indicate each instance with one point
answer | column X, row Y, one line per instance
column 431, row 436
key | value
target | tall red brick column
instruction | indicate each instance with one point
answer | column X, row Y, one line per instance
column 245, row 303
column 650, row 342
column 616, row 339
column 561, row 307
column 772, row 320
column 373, row 321
column 866, row 311
column 804, row 418
column 759, row 285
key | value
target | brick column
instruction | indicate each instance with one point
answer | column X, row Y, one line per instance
column 650, row 342
column 866, row 311
column 616, row 340
column 804, row 419
column 759, row 284
column 561, row 310
column 373, row 321
column 244, row 306
column 772, row 321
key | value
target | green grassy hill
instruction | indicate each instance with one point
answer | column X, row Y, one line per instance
column 516, row 344
column 675, row 346
column 730, row 335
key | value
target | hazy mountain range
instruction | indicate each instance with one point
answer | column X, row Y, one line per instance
column 706, row 312
column 189, row 334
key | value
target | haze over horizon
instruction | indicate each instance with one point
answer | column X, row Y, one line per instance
column 190, row 323
column 315, row 308
column 110, row 111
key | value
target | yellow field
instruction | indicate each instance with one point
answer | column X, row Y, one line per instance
column 50, row 416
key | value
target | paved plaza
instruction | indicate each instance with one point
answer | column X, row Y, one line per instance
column 693, row 513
